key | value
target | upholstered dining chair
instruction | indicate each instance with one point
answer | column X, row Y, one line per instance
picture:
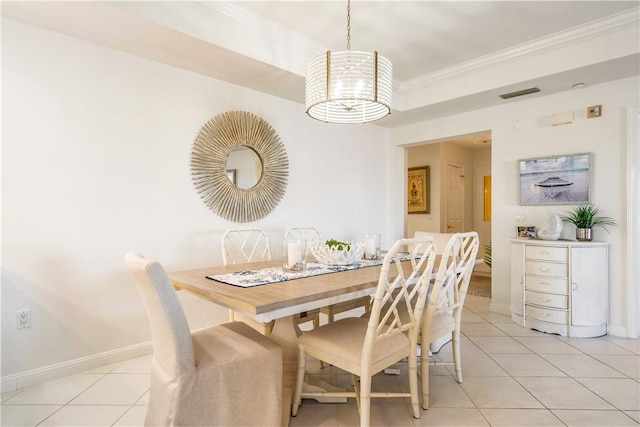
column 224, row 375
column 443, row 313
column 365, row 346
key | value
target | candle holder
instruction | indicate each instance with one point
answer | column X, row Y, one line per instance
column 371, row 243
column 294, row 255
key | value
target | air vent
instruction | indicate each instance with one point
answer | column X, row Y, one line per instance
column 519, row 93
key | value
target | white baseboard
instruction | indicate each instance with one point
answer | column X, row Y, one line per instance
column 499, row 308
column 76, row 366
column 617, row 330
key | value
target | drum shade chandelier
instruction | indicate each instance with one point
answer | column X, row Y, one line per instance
column 349, row 86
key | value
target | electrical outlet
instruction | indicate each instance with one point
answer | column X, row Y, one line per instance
column 23, row 319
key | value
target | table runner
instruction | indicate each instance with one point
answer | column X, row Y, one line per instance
column 264, row 276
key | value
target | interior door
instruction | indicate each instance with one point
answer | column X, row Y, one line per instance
column 454, row 199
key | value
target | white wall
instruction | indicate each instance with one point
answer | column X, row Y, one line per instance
column 531, row 136
column 95, row 162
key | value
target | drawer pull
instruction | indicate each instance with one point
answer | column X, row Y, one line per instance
column 575, row 286
column 547, row 300
column 544, row 252
column 545, row 283
column 545, row 270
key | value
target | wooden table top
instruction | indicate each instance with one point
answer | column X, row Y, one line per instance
column 263, row 299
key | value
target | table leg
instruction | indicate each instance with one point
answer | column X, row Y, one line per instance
column 285, row 333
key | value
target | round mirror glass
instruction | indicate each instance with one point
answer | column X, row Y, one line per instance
column 244, row 167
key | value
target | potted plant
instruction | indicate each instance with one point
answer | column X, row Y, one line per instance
column 487, row 254
column 585, row 218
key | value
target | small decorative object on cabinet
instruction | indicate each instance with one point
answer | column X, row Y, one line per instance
column 585, row 218
column 553, row 228
column 560, row 287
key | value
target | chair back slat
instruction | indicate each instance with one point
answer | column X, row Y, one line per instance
column 245, row 245
column 441, row 239
column 310, row 234
column 454, row 273
column 401, row 292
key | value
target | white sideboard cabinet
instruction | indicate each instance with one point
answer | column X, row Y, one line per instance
column 560, row 286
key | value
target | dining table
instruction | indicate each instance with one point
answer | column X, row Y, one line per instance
column 279, row 302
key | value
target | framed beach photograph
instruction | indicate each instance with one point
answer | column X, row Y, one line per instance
column 418, row 190
column 555, row 180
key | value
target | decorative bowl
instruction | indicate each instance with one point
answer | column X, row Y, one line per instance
column 334, row 256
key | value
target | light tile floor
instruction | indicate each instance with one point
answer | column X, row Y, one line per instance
column 512, row 377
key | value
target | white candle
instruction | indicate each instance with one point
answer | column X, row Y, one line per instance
column 370, row 247
column 294, row 253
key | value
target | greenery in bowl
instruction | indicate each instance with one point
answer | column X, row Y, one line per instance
column 338, row 244
column 587, row 216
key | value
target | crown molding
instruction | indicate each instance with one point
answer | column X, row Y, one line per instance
column 617, row 22
column 248, row 21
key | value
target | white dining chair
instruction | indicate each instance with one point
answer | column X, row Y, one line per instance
column 223, row 375
column 244, row 245
column 312, row 236
column 364, row 346
column 240, row 246
column 443, row 313
column 441, row 240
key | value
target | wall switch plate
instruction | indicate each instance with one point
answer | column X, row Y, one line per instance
column 392, row 371
column 594, row 111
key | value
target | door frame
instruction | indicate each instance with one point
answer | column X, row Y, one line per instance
column 632, row 116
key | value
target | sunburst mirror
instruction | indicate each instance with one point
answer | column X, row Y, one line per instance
column 239, row 166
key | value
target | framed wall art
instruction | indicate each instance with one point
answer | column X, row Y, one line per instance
column 555, row 180
column 418, row 190
column 526, row 232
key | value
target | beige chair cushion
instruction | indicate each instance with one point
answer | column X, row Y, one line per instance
column 341, row 345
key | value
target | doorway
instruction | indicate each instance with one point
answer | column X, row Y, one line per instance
column 458, row 165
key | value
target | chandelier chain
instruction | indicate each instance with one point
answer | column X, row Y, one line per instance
column 349, row 25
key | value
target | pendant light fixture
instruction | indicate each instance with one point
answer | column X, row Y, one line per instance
column 349, row 86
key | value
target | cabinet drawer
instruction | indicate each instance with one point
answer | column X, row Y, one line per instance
column 547, row 300
column 551, row 269
column 547, row 284
column 546, row 253
column 547, row 314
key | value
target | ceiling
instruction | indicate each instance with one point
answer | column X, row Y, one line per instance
column 448, row 56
